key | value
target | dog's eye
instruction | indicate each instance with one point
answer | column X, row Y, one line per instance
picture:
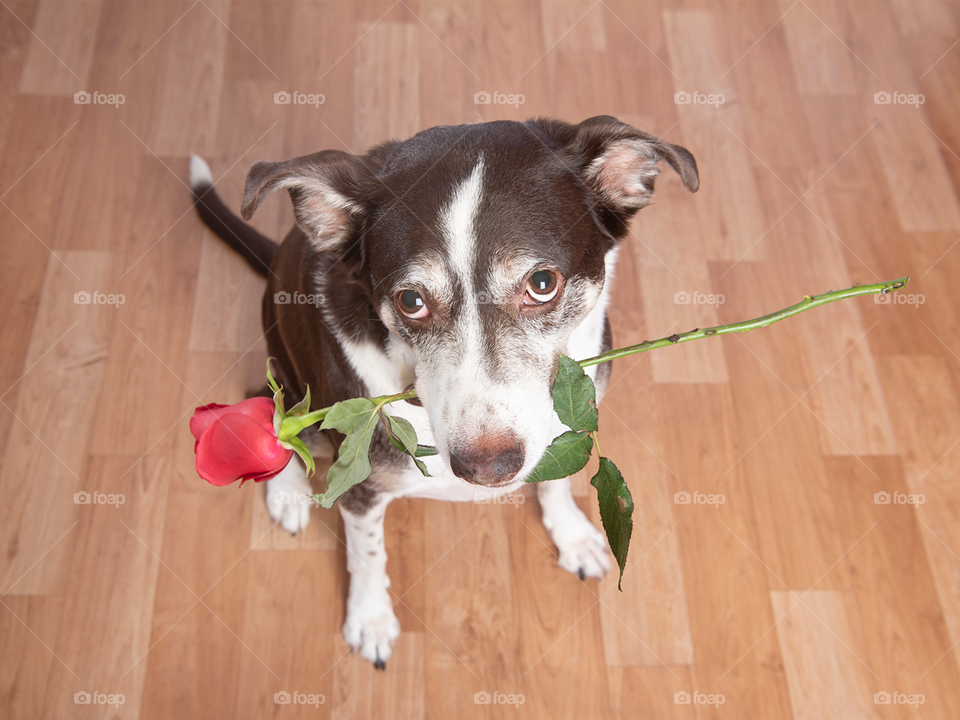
column 542, row 287
column 412, row 305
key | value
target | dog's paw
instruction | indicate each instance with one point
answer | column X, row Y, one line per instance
column 288, row 499
column 581, row 546
column 371, row 628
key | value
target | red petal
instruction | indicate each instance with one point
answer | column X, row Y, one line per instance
column 237, row 446
column 260, row 409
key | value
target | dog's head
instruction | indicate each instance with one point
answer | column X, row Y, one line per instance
column 481, row 248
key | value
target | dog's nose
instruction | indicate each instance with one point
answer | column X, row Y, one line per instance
column 495, row 460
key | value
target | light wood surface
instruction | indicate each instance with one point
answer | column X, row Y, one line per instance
column 798, row 597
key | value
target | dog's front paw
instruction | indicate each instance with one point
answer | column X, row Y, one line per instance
column 371, row 628
column 582, row 547
column 288, row 498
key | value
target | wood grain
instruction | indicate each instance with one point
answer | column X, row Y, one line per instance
column 61, row 47
column 807, row 185
column 926, row 420
column 838, row 684
column 45, row 464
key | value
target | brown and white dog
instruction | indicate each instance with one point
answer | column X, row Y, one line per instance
column 462, row 261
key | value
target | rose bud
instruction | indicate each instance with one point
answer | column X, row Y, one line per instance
column 238, row 442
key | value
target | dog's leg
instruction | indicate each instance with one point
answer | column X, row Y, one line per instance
column 287, row 497
column 582, row 548
column 370, row 626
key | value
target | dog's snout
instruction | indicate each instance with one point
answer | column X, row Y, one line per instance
column 494, row 460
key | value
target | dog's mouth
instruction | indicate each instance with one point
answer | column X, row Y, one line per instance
column 413, row 400
column 505, row 483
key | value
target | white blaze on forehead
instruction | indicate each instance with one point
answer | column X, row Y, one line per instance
column 458, row 226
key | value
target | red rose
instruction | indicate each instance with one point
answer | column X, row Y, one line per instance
column 238, row 442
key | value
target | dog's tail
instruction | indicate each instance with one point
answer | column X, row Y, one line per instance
column 257, row 249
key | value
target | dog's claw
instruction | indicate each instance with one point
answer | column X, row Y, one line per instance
column 581, row 574
column 379, row 664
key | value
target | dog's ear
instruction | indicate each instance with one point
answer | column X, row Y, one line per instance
column 325, row 189
column 619, row 163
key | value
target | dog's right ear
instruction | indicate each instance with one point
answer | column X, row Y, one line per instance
column 325, row 190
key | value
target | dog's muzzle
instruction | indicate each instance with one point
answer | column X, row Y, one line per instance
column 492, row 461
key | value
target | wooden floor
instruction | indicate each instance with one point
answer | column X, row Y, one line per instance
column 800, row 596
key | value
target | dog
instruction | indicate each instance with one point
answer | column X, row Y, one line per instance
column 462, row 262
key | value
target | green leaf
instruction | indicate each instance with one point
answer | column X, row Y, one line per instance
column 426, row 451
column 270, row 381
column 404, row 432
column 566, row 455
column 278, row 413
column 575, row 397
column 357, row 419
column 349, row 415
column 616, row 510
column 422, row 467
column 302, row 407
column 301, row 449
column 404, row 439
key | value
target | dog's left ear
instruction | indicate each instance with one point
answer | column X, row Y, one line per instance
column 620, row 163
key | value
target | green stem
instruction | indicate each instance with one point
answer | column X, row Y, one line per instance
column 382, row 400
column 808, row 302
column 292, row 426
